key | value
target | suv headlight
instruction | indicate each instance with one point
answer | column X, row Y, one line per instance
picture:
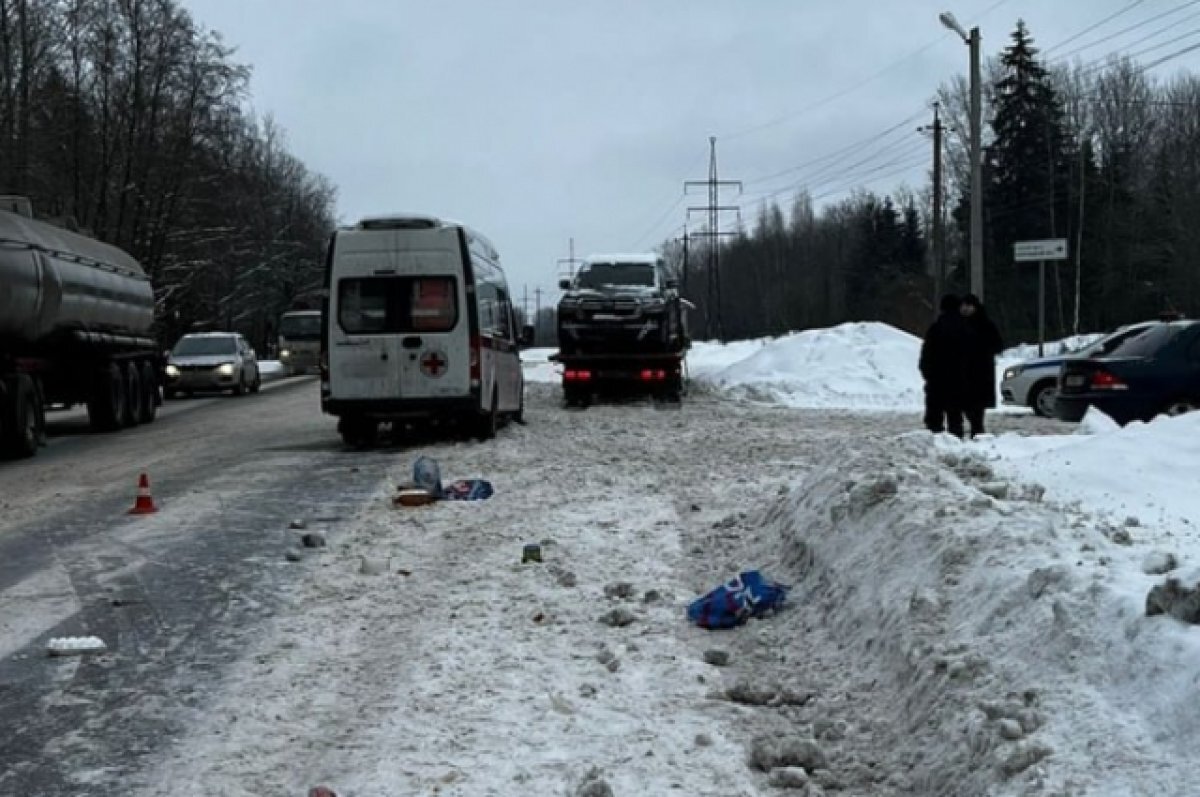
column 283, row 355
column 172, row 371
column 1013, row 372
column 225, row 369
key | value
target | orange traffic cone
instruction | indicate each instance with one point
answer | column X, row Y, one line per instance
column 145, row 503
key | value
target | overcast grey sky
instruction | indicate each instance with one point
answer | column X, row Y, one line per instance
column 540, row 120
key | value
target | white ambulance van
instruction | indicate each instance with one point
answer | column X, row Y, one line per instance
column 419, row 328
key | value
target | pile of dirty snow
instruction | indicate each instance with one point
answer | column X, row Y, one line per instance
column 962, row 633
column 537, row 366
column 857, row 366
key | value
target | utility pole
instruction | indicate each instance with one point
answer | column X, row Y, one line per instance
column 973, row 39
column 570, row 260
column 938, row 270
column 713, row 321
column 525, row 303
column 537, row 322
column 1079, row 233
column 976, row 168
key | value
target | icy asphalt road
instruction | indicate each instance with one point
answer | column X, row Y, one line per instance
column 233, row 671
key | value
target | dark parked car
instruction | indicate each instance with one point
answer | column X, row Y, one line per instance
column 1155, row 373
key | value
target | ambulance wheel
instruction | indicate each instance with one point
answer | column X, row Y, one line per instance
column 489, row 424
column 358, row 432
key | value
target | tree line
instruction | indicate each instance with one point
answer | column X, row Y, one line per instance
column 1105, row 155
column 128, row 121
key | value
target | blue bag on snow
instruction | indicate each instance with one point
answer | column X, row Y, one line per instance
column 744, row 596
column 428, row 476
column 468, row 490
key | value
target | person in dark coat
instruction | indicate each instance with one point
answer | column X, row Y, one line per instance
column 983, row 344
column 943, row 365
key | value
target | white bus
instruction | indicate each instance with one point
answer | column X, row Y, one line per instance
column 419, row 328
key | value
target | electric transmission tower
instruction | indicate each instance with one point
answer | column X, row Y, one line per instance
column 713, row 320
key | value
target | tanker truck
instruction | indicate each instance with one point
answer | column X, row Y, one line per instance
column 75, row 329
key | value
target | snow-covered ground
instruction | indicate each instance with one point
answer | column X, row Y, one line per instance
column 965, row 619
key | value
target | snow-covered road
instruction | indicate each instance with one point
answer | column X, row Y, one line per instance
column 934, row 645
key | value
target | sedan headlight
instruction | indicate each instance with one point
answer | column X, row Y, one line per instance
column 1012, row 373
column 283, row 355
column 172, row 371
column 225, row 369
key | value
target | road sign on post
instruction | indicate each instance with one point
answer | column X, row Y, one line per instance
column 1034, row 251
column 1040, row 251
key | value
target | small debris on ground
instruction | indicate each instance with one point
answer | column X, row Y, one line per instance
column 313, row 539
column 620, row 590
column 768, row 753
column 789, row 778
column 594, row 785
column 618, row 618
column 298, row 525
column 1159, row 563
column 294, row 555
column 373, row 567
column 717, row 658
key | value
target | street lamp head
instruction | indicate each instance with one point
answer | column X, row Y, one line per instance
column 950, row 22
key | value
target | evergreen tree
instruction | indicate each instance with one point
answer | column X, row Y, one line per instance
column 1026, row 180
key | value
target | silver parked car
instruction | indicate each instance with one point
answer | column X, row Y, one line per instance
column 212, row 361
column 1034, row 383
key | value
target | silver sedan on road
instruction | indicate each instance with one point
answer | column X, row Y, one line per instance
column 212, row 361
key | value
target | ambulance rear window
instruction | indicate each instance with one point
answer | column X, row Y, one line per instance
column 397, row 305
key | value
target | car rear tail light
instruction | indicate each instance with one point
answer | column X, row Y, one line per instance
column 1103, row 380
column 649, row 375
column 575, row 375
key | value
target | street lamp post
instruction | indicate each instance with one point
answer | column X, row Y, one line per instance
column 972, row 40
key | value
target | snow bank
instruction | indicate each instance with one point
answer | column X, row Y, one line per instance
column 1000, row 643
column 1141, row 470
column 858, row 366
column 537, row 366
column 1053, row 348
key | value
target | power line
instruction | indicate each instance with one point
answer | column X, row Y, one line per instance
column 1095, row 25
column 849, row 148
column 1134, row 27
column 854, row 177
column 1171, row 57
column 1107, row 61
column 837, row 95
column 666, row 213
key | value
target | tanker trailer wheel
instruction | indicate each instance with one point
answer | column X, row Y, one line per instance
column 149, row 393
column 105, row 405
column 131, row 410
column 21, row 425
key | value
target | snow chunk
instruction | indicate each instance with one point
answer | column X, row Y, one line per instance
column 1096, row 422
column 75, row 645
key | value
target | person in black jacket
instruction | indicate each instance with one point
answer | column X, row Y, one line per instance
column 943, row 365
column 983, row 344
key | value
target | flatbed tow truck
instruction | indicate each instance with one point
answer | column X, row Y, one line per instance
column 585, row 376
